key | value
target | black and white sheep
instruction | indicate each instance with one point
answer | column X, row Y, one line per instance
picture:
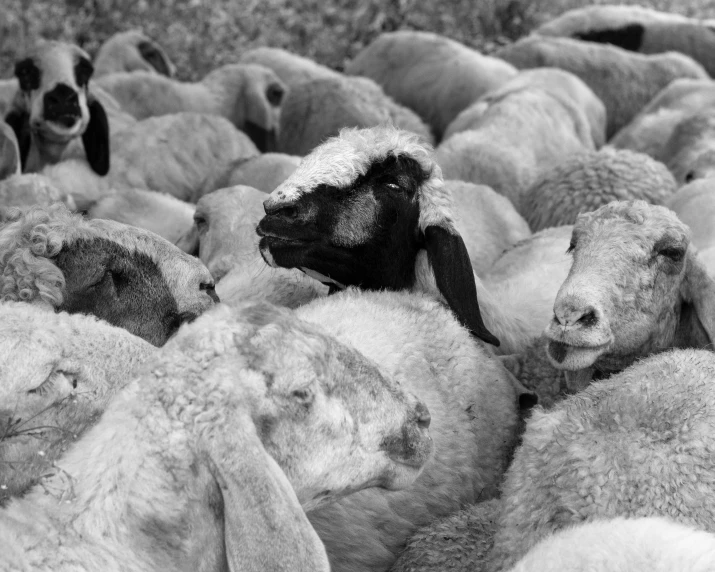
column 132, row 51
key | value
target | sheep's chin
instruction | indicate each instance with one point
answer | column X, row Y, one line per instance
column 400, row 476
column 574, row 358
column 58, row 133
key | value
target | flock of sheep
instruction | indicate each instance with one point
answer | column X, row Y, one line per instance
column 444, row 311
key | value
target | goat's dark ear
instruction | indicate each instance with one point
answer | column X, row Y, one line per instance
column 155, row 57
column 96, row 137
column 19, row 120
column 455, row 278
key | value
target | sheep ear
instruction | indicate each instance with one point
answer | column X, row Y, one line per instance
column 155, row 57
column 264, row 526
column 10, row 162
column 96, row 138
column 455, row 278
column 697, row 318
column 629, row 37
column 19, row 120
column 189, row 242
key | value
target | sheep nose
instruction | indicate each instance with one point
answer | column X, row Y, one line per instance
column 285, row 211
column 61, row 103
column 568, row 315
column 423, row 417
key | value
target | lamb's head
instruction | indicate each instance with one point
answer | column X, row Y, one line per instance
column 360, row 209
column 132, row 50
column 54, row 106
column 635, row 288
column 57, row 374
column 689, row 152
column 128, row 276
column 329, row 417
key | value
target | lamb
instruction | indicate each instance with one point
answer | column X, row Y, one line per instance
column 517, row 137
column 559, row 83
column 127, row 276
column 318, row 109
column 249, row 95
column 432, row 75
column 132, row 51
column 58, row 372
column 636, row 29
column 624, row 81
column 27, row 190
column 652, row 127
column 472, row 401
column 369, row 208
column 648, row 544
column 689, row 153
column 585, row 182
column 9, row 152
column 638, row 444
column 54, row 106
column 224, row 431
column 263, row 172
column 160, row 213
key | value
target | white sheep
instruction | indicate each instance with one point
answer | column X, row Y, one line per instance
column 248, row 95
column 263, row 172
column 624, row 81
column 649, row 131
column 432, row 75
column 247, row 418
column 291, row 68
column 637, row 29
column 472, row 402
column 8, row 89
column 585, row 182
column 10, row 163
column 695, row 206
column 58, row 372
column 559, row 83
column 129, row 51
column 54, row 106
column 160, row 213
column 127, row 276
column 647, row 544
column 518, row 137
column 689, row 152
column 370, row 208
column 638, row 444
column 27, row 190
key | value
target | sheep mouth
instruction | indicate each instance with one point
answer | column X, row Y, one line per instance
column 570, row 357
column 59, row 130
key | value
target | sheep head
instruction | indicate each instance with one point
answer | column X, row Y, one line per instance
column 635, row 288
column 359, row 209
column 132, row 51
column 54, row 106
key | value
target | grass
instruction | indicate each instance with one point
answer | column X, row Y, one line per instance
column 203, row 34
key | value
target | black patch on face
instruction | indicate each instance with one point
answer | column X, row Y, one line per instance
column 154, row 57
column 125, row 288
column 61, row 105
column 302, row 234
column 628, row 37
column 274, row 94
column 83, row 70
column 264, row 139
column 28, row 74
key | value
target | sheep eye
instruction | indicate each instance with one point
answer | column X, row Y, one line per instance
column 393, row 186
column 274, row 95
column 690, row 177
column 673, row 252
column 200, row 222
column 572, row 247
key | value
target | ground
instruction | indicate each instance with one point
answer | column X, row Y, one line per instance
column 203, row 34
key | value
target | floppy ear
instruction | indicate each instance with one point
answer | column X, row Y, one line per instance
column 629, row 37
column 189, row 241
column 10, row 162
column 455, row 278
column 697, row 316
column 265, row 527
column 96, row 137
column 19, row 120
column 155, row 57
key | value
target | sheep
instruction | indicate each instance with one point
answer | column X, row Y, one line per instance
column 226, row 432
column 54, row 106
column 319, row 108
column 249, row 95
column 291, row 68
column 8, row 90
column 264, row 172
column 648, row 544
column 520, row 135
column 127, row 276
column 636, row 29
column 694, row 204
column 635, row 287
column 689, row 153
column 472, row 401
column 559, row 83
column 223, row 237
column 369, row 208
column 9, row 152
column 58, row 372
column 27, row 190
column 648, row 131
column 638, row 444
column 160, row 213
column 624, row 81
column 583, row 183
column 432, row 75
column 132, row 51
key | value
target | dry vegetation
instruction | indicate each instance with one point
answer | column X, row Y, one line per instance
column 202, row 34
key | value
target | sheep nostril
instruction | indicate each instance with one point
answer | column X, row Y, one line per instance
column 588, row 319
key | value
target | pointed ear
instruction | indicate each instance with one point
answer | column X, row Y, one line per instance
column 189, row 241
column 697, row 317
column 455, row 278
column 265, row 527
column 10, row 162
column 96, row 137
column 19, row 120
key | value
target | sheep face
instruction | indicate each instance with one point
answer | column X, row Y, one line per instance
column 54, row 106
column 262, row 100
column 358, row 210
column 132, row 51
column 623, row 297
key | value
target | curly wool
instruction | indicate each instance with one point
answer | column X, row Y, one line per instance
column 586, row 182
